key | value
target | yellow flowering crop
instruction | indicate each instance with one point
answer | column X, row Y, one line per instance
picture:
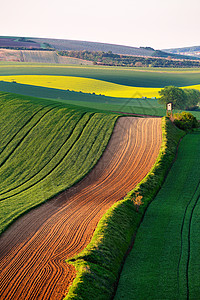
column 85, row 85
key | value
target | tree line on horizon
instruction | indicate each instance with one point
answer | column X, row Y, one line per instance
column 112, row 59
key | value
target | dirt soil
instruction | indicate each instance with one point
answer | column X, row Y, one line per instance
column 33, row 250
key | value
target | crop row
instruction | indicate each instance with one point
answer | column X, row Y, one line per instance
column 38, row 148
column 51, row 150
column 18, row 116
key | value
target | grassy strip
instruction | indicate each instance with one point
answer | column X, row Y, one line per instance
column 99, row 264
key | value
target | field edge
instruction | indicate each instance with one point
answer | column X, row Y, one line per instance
column 98, row 266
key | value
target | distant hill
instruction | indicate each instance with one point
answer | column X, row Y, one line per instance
column 61, row 44
column 193, row 51
column 19, row 43
column 95, row 46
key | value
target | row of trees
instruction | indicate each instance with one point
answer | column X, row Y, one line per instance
column 111, row 59
column 180, row 98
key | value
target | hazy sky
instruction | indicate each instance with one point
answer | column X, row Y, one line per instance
column 156, row 23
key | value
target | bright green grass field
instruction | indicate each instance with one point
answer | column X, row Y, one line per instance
column 164, row 262
column 45, row 148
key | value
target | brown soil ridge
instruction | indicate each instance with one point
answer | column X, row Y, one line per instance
column 33, row 250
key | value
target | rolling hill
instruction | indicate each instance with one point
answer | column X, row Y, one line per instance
column 44, row 148
column 189, row 51
column 82, row 85
column 64, row 44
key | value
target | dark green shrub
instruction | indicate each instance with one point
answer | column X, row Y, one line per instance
column 185, row 121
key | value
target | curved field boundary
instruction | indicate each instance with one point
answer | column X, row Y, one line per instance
column 148, row 107
column 60, row 157
column 163, row 263
column 49, row 151
column 86, row 145
column 99, row 265
column 34, row 248
column 155, row 77
column 87, row 85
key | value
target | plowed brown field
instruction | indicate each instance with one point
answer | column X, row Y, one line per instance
column 33, row 250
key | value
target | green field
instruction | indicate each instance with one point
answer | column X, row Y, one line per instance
column 47, row 145
column 153, row 78
column 124, row 76
column 163, row 263
column 127, row 105
column 45, row 148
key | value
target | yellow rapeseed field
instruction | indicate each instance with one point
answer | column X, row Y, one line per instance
column 86, row 85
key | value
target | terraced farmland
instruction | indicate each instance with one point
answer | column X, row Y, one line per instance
column 163, row 263
column 34, row 248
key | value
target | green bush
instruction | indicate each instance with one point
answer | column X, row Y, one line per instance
column 185, row 121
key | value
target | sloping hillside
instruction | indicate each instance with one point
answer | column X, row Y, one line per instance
column 189, row 51
column 40, row 148
column 59, row 44
column 64, row 44
column 42, row 240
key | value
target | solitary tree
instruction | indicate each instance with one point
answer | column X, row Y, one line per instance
column 180, row 98
column 137, row 200
column 174, row 95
